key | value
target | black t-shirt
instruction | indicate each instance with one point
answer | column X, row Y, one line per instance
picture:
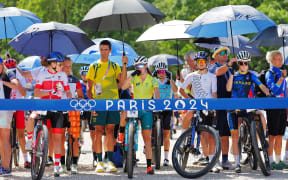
column 8, row 77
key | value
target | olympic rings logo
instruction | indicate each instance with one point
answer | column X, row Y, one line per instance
column 83, row 104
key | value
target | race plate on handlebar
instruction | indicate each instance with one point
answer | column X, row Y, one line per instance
column 132, row 114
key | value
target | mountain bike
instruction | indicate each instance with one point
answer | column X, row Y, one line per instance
column 131, row 142
column 188, row 149
column 259, row 143
column 39, row 148
column 69, row 152
column 245, row 140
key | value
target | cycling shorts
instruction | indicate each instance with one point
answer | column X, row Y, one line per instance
column 222, row 124
column 105, row 117
column 56, row 119
column 209, row 120
column 276, row 121
column 165, row 117
column 20, row 119
column 146, row 119
column 66, row 123
column 233, row 116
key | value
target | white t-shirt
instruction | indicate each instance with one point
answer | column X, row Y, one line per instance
column 15, row 94
column 203, row 85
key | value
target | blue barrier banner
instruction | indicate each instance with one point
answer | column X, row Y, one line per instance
column 143, row 104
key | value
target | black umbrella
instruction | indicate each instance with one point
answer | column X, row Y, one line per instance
column 121, row 15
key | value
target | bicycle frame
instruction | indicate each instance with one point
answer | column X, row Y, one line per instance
column 194, row 124
column 135, row 121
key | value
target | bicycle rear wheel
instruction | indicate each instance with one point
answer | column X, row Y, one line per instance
column 184, row 155
column 130, row 150
column 69, row 154
column 260, row 146
column 39, row 153
column 157, row 151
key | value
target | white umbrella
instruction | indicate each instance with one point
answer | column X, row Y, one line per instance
column 167, row 58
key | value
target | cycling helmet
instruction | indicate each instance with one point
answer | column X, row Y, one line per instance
column 55, row 56
column 243, row 56
column 161, row 65
column 84, row 69
column 140, row 60
column 10, row 63
column 201, row 55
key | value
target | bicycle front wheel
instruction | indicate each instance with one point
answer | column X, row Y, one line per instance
column 157, row 144
column 39, row 153
column 260, row 146
column 130, row 150
column 185, row 154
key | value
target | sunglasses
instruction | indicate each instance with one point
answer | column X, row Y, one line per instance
column 84, row 73
column 161, row 72
column 140, row 66
column 222, row 53
column 201, row 61
column 243, row 63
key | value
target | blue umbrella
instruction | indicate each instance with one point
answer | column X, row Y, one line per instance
column 227, row 21
column 42, row 38
column 240, row 43
column 30, row 63
column 13, row 21
column 92, row 53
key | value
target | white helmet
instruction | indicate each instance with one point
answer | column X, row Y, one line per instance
column 140, row 60
column 161, row 65
column 243, row 56
column 84, row 69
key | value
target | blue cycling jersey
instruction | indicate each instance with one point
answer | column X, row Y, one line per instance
column 84, row 89
column 242, row 84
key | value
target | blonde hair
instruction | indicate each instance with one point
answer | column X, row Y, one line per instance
column 271, row 54
column 4, row 71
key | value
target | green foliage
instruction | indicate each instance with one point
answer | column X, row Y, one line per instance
column 73, row 11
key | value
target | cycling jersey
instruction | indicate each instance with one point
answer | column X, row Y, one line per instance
column 48, row 81
column 74, row 84
column 165, row 89
column 242, row 83
column 35, row 72
column 144, row 90
column 84, row 89
column 15, row 93
column 97, row 72
column 276, row 90
column 203, row 85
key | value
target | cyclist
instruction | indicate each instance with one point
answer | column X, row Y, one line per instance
column 166, row 88
column 50, row 86
column 240, row 84
column 19, row 93
column 102, row 84
column 86, row 115
column 8, row 82
column 144, row 86
column 204, row 85
column 276, row 118
column 75, row 88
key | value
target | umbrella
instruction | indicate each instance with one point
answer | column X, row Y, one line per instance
column 284, row 49
column 170, row 30
column 2, row 5
column 42, row 38
column 14, row 20
column 30, row 63
column 230, row 20
column 272, row 36
column 92, row 53
column 240, row 43
column 121, row 15
column 167, row 58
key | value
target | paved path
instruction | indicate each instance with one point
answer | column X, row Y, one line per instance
column 86, row 172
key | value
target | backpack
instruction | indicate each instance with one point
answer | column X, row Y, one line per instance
column 117, row 155
column 261, row 77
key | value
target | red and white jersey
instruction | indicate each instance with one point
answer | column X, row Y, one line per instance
column 15, row 93
column 48, row 81
column 74, row 84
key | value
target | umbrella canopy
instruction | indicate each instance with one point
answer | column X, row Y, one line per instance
column 229, row 20
column 13, row 21
column 272, row 36
column 240, row 44
column 2, row 5
column 42, row 38
column 121, row 14
column 284, row 51
column 170, row 30
column 30, row 63
column 167, row 58
column 92, row 53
